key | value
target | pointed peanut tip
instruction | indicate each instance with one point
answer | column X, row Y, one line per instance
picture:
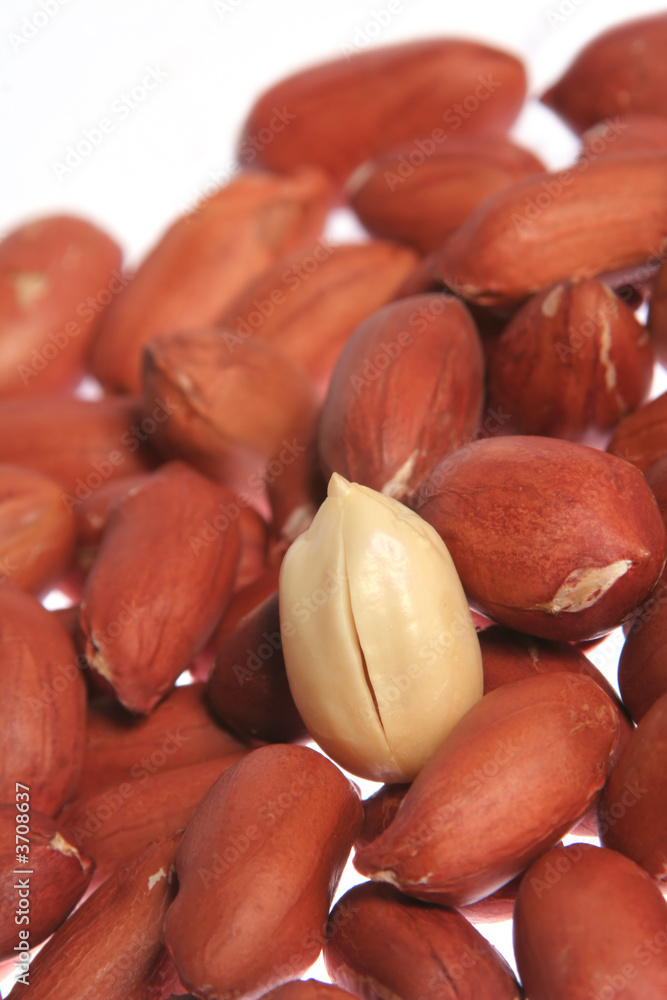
column 372, row 695
column 338, row 486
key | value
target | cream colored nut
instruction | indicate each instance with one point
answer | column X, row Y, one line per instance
column 380, row 648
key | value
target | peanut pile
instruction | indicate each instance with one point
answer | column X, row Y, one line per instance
column 376, row 500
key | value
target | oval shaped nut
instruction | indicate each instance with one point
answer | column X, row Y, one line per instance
column 623, row 951
column 641, row 437
column 621, row 70
column 408, row 388
column 632, row 811
column 573, row 359
column 159, row 584
column 308, row 304
column 642, row 665
column 520, row 769
column 381, row 944
column 111, row 947
column 37, row 531
column 56, row 275
column 181, row 731
column 58, row 877
column 625, row 133
column 423, row 201
column 521, row 517
column 203, row 261
column 617, row 206
column 79, row 443
column 229, row 398
column 257, row 868
column 116, row 822
column 380, row 649
column 248, row 687
column 44, row 698
column 343, row 112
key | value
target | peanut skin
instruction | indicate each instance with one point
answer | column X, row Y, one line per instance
column 257, row 869
column 590, row 923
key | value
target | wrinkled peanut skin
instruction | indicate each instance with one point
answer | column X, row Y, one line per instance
column 381, row 944
column 617, row 206
column 111, row 948
column 621, row 70
column 60, row 875
column 155, row 545
column 343, row 112
column 56, row 275
column 586, row 920
column 202, row 261
column 632, row 812
column 408, row 388
column 257, row 869
column 44, row 698
column 521, row 516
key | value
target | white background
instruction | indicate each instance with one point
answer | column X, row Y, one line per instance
column 216, row 57
column 67, row 65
